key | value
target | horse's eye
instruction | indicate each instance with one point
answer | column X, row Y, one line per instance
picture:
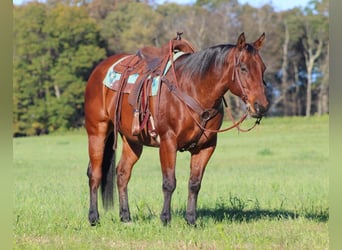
column 243, row 68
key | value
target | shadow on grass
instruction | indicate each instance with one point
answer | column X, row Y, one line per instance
column 238, row 210
column 225, row 213
column 238, row 215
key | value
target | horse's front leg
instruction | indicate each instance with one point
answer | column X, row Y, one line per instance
column 199, row 161
column 130, row 154
column 167, row 153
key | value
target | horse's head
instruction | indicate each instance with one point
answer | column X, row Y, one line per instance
column 247, row 78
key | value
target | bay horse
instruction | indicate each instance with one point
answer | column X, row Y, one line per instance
column 188, row 113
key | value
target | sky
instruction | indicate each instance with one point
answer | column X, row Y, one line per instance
column 278, row 5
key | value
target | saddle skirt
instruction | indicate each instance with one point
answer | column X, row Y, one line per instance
column 114, row 74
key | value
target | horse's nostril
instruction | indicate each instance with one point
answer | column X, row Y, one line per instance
column 259, row 108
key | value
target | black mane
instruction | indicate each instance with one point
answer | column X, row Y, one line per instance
column 200, row 62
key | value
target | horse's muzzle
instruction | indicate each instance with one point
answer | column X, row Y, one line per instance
column 258, row 110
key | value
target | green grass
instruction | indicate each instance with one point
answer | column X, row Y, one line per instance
column 266, row 189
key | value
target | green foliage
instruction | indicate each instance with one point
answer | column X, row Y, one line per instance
column 266, row 189
column 131, row 26
column 55, row 50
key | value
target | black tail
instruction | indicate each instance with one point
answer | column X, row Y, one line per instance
column 108, row 174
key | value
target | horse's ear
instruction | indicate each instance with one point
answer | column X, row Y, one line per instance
column 258, row 43
column 241, row 42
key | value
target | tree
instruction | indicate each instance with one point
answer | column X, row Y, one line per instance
column 319, row 11
column 287, row 74
column 131, row 26
column 315, row 39
column 99, row 9
column 198, row 24
column 29, row 65
column 54, row 55
column 323, row 95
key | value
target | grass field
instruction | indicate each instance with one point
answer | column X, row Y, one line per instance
column 266, row 189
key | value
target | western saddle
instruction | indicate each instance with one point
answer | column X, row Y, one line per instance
column 147, row 64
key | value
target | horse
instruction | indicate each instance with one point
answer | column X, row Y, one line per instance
column 188, row 113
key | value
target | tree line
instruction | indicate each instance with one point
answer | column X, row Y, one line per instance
column 58, row 43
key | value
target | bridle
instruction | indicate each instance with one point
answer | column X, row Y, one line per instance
column 236, row 72
column 236, row 75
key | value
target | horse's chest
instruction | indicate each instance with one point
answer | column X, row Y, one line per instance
column 195, row 138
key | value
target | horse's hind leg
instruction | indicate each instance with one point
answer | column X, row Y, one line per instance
column 130, row 154
column 96, row 143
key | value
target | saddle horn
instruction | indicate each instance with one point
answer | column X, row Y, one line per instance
column 179, row 34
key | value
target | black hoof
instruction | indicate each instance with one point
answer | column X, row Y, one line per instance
column 191, row 219
column 93, row 218
column 166, row 219
column 125, row 216
column 125, row 219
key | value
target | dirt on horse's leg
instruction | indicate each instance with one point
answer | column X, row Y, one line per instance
column 198, row 163
column 130, row 154
column 96, row 144
column 167, row 153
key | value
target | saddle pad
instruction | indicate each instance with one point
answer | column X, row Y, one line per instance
column 112, row 79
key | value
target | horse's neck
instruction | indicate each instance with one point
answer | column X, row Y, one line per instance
column 208, row 88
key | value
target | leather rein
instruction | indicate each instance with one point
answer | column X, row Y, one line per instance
column 207, row 114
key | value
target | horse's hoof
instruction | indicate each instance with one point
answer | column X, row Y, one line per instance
column 191, row 219
column 125, row 220
column 166, row 219
column 125, row 216
column 192, row 224
column 94, row 223
column 94, row 218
